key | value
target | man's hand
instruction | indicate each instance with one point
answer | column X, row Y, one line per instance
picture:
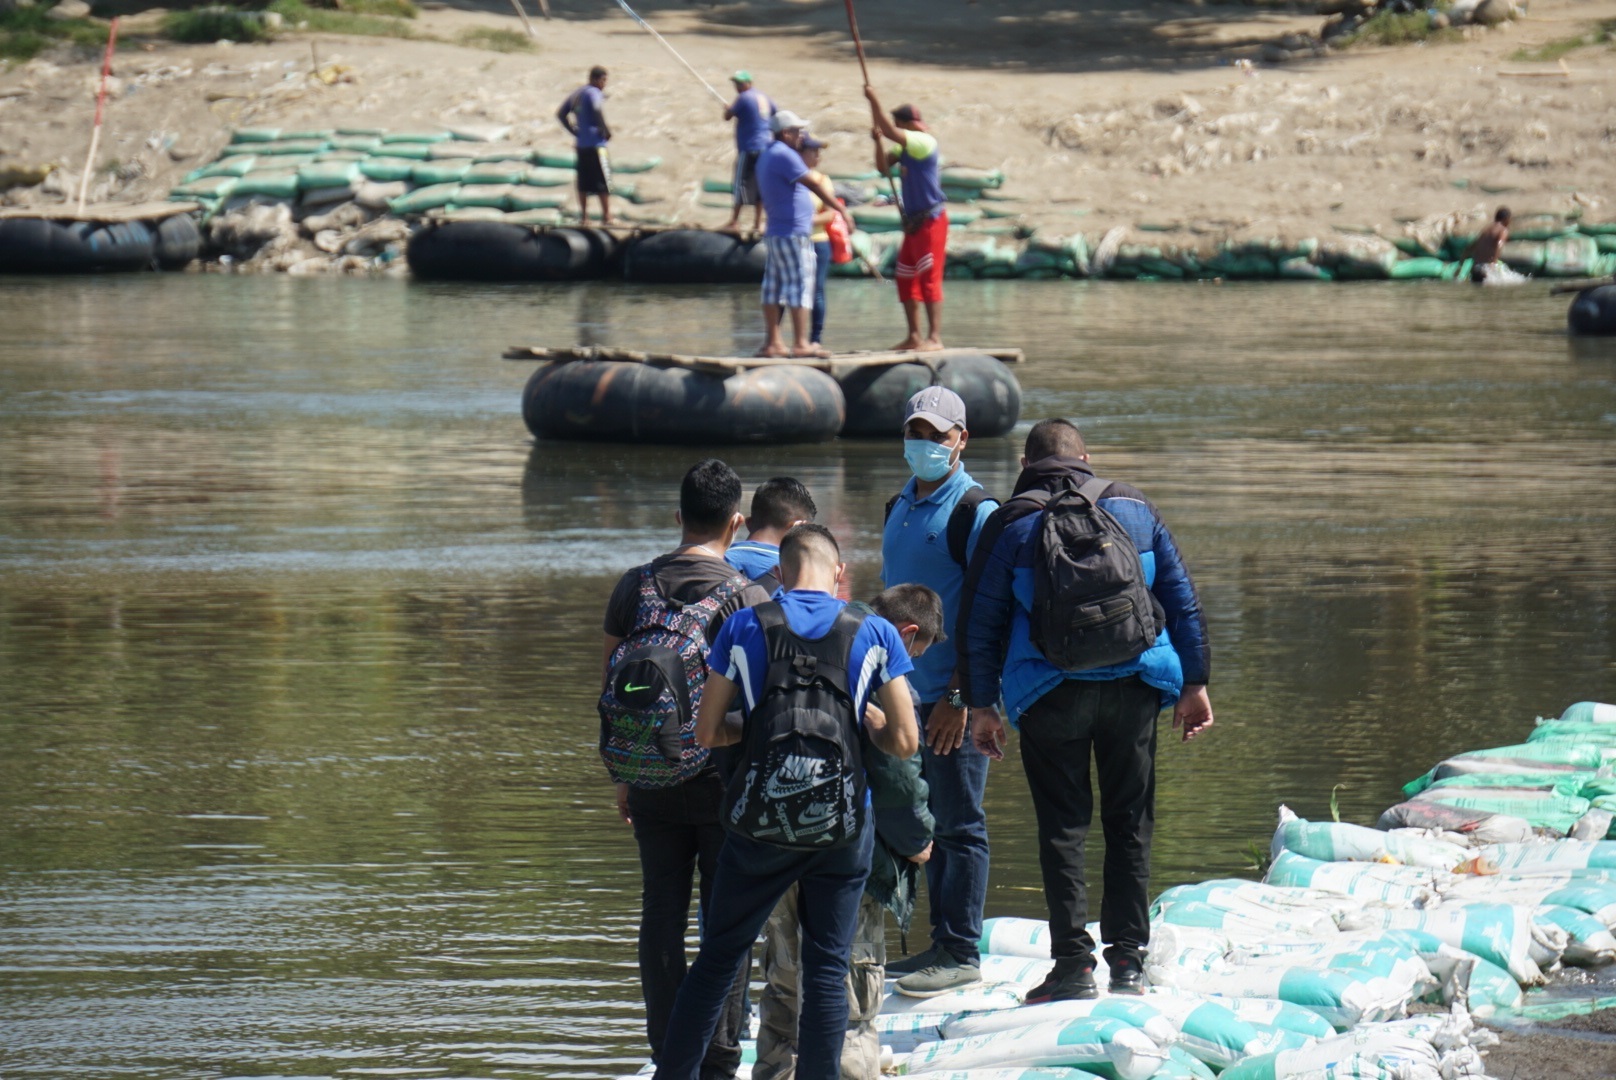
column 921, row 857
column 987, row 732
column 622, row 804
column 945, row 728
column 1193, row 712
column 847, row 219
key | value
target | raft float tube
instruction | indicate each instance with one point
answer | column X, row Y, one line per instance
column 599, row 393
column 154, row 236
column 1593, row 312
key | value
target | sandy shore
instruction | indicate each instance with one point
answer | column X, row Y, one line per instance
column 1117, row 113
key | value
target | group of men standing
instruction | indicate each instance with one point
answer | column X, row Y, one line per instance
column 826, row 753
column 777, row 175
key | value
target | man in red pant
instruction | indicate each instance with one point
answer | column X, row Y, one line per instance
column 925, row 218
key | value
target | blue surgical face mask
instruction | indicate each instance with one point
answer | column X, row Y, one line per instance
column 929, row 461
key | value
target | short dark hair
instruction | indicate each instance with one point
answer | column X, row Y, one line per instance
column 1503, row 215
column 780, row 501
column 596, row 72
column 709, row 496
column 915, row 604
column 802, row 538
column 1054, row 438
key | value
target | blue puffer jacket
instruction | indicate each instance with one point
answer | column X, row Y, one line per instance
column 994, row 622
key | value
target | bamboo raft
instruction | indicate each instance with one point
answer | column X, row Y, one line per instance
column 102, row 215
column 837, row 363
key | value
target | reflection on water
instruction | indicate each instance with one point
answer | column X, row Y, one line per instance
column 297, row 625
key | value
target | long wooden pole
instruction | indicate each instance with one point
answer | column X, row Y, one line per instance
column 864, row 69
column 100, row 106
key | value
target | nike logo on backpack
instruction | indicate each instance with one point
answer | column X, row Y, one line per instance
column 630, row 688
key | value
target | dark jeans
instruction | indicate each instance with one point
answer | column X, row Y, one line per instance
column 821, row 275
column 751, row 879
column 957, row 873
column 677, row 831
column 1116, row 720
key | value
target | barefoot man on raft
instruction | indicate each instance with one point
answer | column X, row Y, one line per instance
column 925, row 218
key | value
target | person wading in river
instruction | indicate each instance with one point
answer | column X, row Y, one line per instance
column 924, row 252
column 788, row 273
column 1484, row 253
column 750, row 111
column 583, row 116
column 670, row 609
column 1049, row 558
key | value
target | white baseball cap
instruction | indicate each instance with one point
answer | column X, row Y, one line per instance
column 785, row 120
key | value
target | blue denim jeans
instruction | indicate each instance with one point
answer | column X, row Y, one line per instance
column 750, row 880
column 821, row 275
column 957, row 873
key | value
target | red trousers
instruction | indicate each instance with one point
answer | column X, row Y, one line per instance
column 921, row 260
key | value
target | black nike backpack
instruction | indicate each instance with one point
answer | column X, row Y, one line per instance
column 800, row 782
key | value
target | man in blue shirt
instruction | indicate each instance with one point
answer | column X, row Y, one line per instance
column 1064, row 715
column 583, row 115
column 778, row 505
column 788, row 274
column 753, row 875
column 751, row 111
column 916, row 548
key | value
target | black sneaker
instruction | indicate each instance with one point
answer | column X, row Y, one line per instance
column 911, row 964
column 1128, row 976
column 1074, row 982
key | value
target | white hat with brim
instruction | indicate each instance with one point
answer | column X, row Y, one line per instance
column 785, row 120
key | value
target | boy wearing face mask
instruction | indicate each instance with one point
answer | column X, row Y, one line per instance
column 931, row 530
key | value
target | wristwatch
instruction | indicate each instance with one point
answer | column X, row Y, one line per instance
column 956, row 699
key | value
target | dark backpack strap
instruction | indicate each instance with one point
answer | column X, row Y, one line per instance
column 892, row 504
column 1093, row 490
column 768, row 582
column 961, row 520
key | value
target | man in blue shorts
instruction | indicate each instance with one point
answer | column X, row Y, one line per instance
column 788, row 276
column 829, row 663
column 750, row 110
column 583, row 115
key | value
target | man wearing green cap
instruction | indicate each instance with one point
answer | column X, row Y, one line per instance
column 751, row 111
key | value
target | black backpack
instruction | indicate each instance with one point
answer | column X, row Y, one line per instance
column 1091, row 607
column 960, row 520
column 800, row 782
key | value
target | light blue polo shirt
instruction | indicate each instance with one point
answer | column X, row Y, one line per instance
column 914, row 548
column 753, row 557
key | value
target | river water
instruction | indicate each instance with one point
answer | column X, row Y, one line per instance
column 299, row 629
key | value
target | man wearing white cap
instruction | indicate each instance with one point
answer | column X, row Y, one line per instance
column 751, row 111
column 929, row 538
column 784, row 183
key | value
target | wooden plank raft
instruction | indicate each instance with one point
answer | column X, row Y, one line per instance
column 112, row 213
column 730, row 365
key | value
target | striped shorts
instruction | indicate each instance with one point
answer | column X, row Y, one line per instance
column 788, row 273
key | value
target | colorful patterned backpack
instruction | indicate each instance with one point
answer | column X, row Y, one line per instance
column 653, row 687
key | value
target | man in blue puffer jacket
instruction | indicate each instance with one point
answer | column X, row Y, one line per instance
column 1063, row 716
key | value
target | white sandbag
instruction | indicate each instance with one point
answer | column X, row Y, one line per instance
column 1345, row 998
column 1012, row 1074
column 1105, row 1045
column 979, row 997
column 1362, row 1053
column 1246, row 925
column 1381, row 957
column 1589, row 942
column 1021, row 971
column 1008, row 936
column 1552, row 855
column 1404, row 886
column 1260, row 900
column 1501, row 933
column 1130, row 1010
column 1590, row 712
column 1259, row 1012
column 905, row 1031
column 1472, row 981
column 1334, row 841
column 1596, row 898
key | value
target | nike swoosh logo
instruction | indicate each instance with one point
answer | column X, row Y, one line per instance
column 629, row 689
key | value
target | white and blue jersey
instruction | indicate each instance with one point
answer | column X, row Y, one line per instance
column 741, row 655
column 753, row 557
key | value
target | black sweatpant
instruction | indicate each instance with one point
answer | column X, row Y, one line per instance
column 1116, row 720
column 678, row 834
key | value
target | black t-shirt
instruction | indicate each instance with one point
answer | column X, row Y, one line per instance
column 684, row 578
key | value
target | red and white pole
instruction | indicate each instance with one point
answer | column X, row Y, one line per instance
column 100, row 107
